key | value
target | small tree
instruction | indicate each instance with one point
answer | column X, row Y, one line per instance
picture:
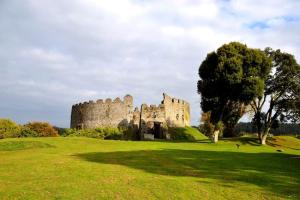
column 281, row 95
column 42, row 129
column 233, row 75
column 8, row 128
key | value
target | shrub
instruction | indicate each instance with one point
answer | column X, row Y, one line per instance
column 27, row 132
column 113, row 133
column 9, row 128
column 40, row 129
column 130, row 133
column 93, row 133
column 60, row 130
column 67, row 132
column 108, row 133
column 207, row 128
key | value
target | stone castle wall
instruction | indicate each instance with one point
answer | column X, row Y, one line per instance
column 177, row 111
column 150, row 116
column 101, row 113
column 151, row 121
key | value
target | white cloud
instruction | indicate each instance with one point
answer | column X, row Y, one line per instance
column 256, row 10
column 54, row 54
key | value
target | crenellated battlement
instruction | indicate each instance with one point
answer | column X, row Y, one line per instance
column 108, row 112
column 107, row 101
column 167, row 99
column 152, row 107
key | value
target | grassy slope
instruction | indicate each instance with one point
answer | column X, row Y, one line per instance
column 187, row 133
column 84, row 168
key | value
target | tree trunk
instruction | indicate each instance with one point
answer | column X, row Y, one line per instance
column 215, row 136
column 263, row 139
column 259, row 136
column 264, row 136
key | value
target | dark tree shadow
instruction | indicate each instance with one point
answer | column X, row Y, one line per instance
column 276, row 172
column 273, row 142
column 204, row 141
column 243, row 140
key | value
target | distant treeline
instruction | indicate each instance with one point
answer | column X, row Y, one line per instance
column 283, row 129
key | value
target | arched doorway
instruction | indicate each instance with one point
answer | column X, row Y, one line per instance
column 157, row 130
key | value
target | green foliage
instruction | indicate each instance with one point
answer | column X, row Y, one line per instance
column 209, row 128
column 130, row 133
column 220, row 127
column 232, row 114
column 230, row 77
column 8, row 128
column 59, row 130
column 39, row 129
column 27, row 132
column 282, row 87
column 92, row 133
column 206, row 126
column 109, row 133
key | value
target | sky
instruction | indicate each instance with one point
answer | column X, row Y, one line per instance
column 54, row 54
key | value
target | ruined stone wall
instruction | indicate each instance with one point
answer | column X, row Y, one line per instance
column 136, row 117
column 101, row 113
column 177, row 111
column 149, row 116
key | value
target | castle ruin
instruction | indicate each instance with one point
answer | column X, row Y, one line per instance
column 150, row 121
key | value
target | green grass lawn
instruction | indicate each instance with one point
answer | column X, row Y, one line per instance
column 85, row 168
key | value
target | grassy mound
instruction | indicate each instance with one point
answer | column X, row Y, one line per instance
column 186, row 133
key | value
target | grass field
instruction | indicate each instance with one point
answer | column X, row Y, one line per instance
column 85, row 168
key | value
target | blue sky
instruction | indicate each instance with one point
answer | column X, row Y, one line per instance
column 57, row 53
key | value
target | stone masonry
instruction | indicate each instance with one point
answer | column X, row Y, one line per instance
column 152, row 121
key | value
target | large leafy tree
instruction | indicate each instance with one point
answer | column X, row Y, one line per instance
column 233, row 75
column 281, row 99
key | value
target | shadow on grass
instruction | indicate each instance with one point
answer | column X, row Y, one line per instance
column 275, row 172
column 182, row 141
column 279, row 143
column 243, row 140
